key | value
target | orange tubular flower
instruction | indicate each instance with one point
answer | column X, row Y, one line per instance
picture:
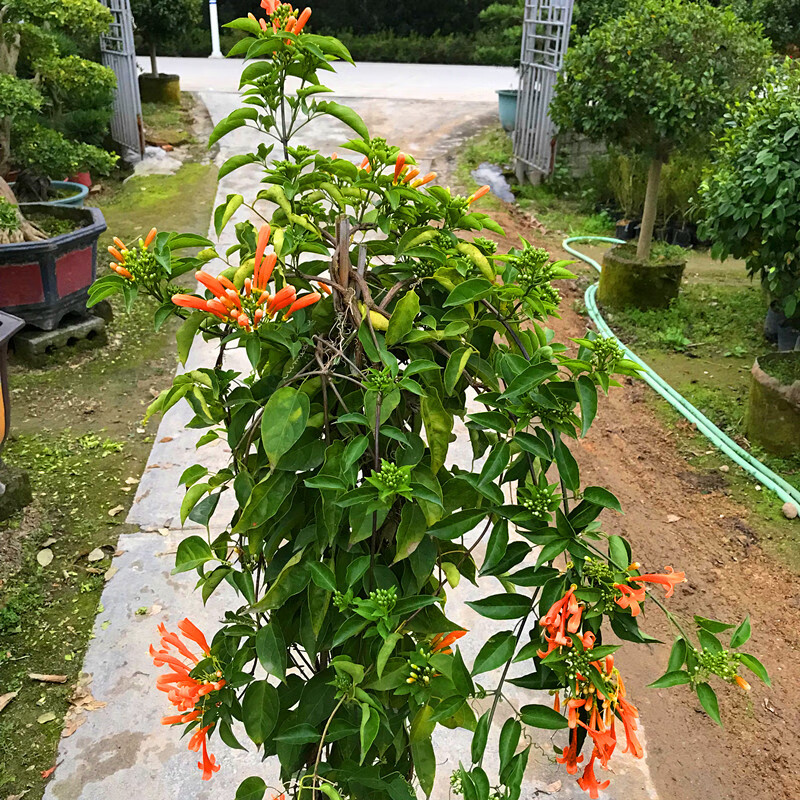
column 570, row 755
column 411, row 175
column 588, row 782
column 190, row 301
column 563, row 617
column 150, row 236
column 269, row 5
column 120, row 271
column 398, row 165
column 211, row 283
column 441, row 642
column 191, row 631
column 669, row 579
column 324, row 288
column 117, row 254
column 431, row 176
column 303, row 302
column 477, row 195
column 743, row 684
column 302, row 20
column 265, row 272
column 631, row 597
column 283, row 298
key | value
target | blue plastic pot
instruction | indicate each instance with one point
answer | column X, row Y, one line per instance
column 507, row 103
column 80, row 193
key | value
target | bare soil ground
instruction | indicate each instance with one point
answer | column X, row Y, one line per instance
column 718, row 543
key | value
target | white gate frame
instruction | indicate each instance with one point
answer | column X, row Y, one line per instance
column 119, row 53
column 545, row 38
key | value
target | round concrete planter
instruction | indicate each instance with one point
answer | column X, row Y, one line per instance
column 41, row 282
column 773, row 413
column 160, row 88
column 626, row 282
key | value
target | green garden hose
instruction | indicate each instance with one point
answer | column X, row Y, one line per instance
column 765, row 476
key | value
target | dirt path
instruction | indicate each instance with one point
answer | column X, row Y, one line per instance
column 716, row 542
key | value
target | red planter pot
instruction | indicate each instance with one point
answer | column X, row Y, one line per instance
column 83, row 178
column 41, row 282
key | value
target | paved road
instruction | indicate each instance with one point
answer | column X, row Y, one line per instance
column 121, row 750
column 399, row 81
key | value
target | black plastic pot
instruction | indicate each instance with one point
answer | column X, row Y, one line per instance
column 41, row 282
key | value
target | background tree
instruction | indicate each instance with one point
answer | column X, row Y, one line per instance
column 780, row 18
column 501, row 32
column 658, row 78
column 160, row 20
column 750, row 199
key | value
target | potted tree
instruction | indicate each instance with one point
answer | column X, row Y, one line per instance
column 157, row 21
column 752, row 209
column 653, row 79
column 47, row 253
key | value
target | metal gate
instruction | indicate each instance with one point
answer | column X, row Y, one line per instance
column 545, row 38
column 119, row 53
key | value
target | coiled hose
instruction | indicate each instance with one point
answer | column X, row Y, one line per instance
column 784, row 490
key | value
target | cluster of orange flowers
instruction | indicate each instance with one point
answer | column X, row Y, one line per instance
column 250, row 309
column 121, row 253
column 587, row 707
column 600, row 711
column 185, row 692
column 286, row 19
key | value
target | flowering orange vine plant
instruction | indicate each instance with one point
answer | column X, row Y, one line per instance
column 373, row 315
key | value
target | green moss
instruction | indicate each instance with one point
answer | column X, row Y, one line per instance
column 52, row 225
column 785, row 367
column 660, row 253
column 167, row 123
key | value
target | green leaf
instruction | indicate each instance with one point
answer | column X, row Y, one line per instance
column 587, row 396
column 509, row 739
column 303, row 733
column 192, row 497
column 455, row 368
column 756, row 667
column 567, row 466
column 370, row 724
column 234, row 162
column 712, row 625
column 497, row 651
column 469, row 291
column 673, row 678
column 438, row 427
column 346, row 115
column 708, row 699
column 677, row 655
column 741, row 634
column 284, row 420
column 192, row 552
column 186, row 333
column 502, row 606
column 539, row 716
column 260, row 709
column 480, row 737
column 271, row 650
column 322, row 575
column 386, row 651
column 458, row 524
column 251, row 789
column 402, row 319
column 602, row 497
column 223, row 213
column 424, row 760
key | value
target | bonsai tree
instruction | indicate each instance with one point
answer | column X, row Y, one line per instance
column 750, row 199
column 161, row 20
column 658, row 77
column 31, row 29
column 371, row 316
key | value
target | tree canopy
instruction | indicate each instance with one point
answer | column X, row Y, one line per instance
column 660, row 76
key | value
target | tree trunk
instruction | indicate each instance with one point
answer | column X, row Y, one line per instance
column 28, row 232
column 153, row 62
column 650, row 208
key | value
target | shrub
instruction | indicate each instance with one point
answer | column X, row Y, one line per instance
column 371, row 321
column 500, row 36
column 749, row 199
column 655, row 79
column 161, row 20
column 9, row 219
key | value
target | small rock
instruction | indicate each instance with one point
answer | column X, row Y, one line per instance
column 673, row 518
column 724, row 468
column 789, row 510
column 112, row 512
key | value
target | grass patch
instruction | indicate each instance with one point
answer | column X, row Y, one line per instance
column 166, row 123
column 77, row 430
